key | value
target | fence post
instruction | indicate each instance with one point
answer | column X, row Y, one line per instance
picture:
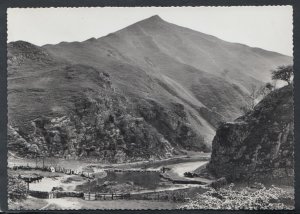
column 27, row 187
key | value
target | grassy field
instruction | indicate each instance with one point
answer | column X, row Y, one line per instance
column 124, row 204
column 51, row 179
column 30, row 203
column 76, row 203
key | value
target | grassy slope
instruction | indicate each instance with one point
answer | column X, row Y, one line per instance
column 169, row 63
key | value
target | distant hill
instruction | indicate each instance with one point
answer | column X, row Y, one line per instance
column 179, row 82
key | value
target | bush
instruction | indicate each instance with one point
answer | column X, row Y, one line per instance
column 284, row 73
column 227, row 198
column 16, row 188
column 190, row 175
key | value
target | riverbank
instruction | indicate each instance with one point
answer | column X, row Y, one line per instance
column 190, row 156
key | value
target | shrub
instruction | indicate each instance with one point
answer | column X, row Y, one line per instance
column 230, row 199
column 284, row 73
column 16, row 188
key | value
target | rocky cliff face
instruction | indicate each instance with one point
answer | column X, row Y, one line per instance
column 101, row 125
column 260, row 144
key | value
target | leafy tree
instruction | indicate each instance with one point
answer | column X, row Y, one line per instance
column 284, row 73
column 16, row 188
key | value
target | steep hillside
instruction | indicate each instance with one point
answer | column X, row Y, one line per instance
column 169, row 63
column 259, row 145
column 65, row 110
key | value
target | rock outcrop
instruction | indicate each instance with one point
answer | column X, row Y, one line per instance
column 260, row 144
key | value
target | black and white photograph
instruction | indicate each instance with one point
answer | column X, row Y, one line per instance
column 150, row 108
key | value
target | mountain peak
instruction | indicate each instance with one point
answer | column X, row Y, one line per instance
column 155, row 17
column 149, row 23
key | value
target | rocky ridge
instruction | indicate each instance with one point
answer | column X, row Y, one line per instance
column 259, row 145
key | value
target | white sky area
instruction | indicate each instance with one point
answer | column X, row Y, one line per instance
column 267, row 27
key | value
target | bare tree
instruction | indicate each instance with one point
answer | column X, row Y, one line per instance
column 256, row 93
column 250, row 99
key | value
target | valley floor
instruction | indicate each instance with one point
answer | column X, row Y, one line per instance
column 178, row 166
column 137, row 182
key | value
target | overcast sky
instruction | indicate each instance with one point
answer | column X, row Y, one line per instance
column 268, row 27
